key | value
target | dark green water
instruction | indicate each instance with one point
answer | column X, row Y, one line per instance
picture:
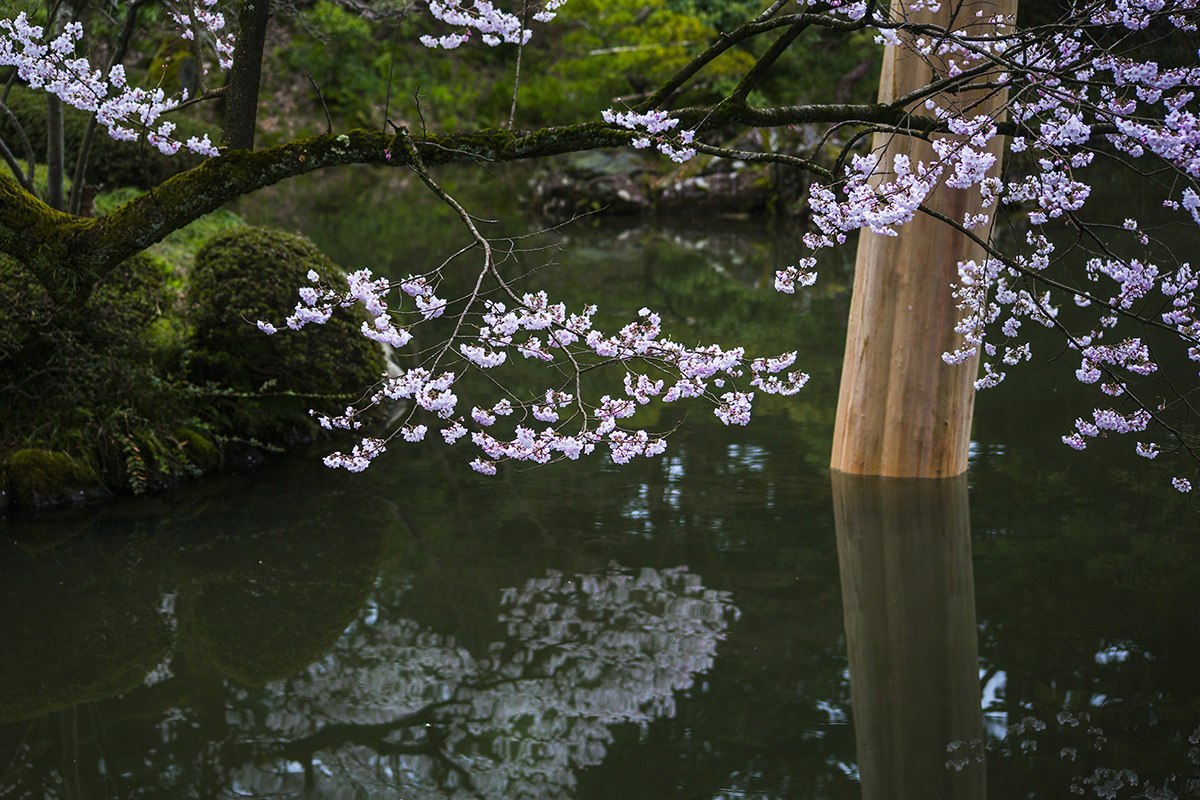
column 696, row 626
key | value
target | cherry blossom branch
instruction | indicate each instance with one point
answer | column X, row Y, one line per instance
column 1008, row 261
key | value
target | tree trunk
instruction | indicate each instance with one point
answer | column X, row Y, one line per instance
column 241, row 99
column 902, row 411
column 54, row 152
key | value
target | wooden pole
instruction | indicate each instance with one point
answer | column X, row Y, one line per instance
column 902, row 411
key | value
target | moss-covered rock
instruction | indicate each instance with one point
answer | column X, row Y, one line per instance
column 40, row 478
column 200, row 449
column 247, row 274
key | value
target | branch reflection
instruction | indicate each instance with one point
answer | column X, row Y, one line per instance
column 396, row 707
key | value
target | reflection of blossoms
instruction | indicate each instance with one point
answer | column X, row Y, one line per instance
column 396, row 707
column 1087, row 760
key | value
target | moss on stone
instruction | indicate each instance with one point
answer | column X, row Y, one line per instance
column 40, row 478
column 247, row 274
column 200, row 449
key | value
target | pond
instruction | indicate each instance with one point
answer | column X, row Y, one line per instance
column 725, row 621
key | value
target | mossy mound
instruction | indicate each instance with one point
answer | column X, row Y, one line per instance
column 42, row 478
column 95, row 382
column 115, row 385
column 247, row 274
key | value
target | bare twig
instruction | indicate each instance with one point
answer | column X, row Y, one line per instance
column 321, row 97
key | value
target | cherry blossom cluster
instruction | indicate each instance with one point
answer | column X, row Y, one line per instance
column 851, row 9
column 803, row 273
column 654, row 368
column 208, row 20
column 494, row 25
column 122, row 109
column 1062, row 88
column 318, row 301
column 984, row 292
column 655, row 125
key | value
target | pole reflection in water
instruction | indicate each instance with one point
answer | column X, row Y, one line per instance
column 908, row 596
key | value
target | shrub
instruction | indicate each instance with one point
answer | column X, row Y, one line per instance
column 246, row 274
column 95, row 382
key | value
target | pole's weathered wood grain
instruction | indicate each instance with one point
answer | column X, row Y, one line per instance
column 902, row 411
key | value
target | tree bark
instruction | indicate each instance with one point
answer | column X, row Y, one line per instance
column 54, row 152
column 241, row 99
column 902, row 411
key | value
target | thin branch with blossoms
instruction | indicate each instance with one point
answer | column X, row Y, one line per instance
column 1058, row 107
column 1074, row 90
column 572, row 347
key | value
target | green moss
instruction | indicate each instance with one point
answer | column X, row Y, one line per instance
column 114, row 384
column 97, row 382
column 200, row 449
column 247, row 274
column 41, row 477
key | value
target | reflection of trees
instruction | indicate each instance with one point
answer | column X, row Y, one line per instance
column 396, row 707
column 1090, row 645
column 766, row 717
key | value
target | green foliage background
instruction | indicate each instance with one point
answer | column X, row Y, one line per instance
column 596, row 54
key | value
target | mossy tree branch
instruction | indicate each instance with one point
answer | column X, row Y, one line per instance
column 69, row 254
